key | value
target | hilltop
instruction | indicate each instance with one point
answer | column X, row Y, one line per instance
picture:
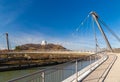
column 39, row 47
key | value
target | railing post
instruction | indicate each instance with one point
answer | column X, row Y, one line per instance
column 94, row 57
column 76, row 71
column 90, row 59
column 90, row 62
column 43, row 77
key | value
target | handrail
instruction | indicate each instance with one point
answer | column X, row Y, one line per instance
column 43, row 70
column 83, row 73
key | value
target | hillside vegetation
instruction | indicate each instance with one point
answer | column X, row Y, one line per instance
column 39, row 47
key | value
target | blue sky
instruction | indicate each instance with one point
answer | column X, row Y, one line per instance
column 31, row 21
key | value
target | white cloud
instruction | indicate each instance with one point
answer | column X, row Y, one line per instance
column 73, row 43
column 68, row 42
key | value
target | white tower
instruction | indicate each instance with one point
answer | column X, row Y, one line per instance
column 44, row 42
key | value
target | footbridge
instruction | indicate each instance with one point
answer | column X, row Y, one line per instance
column 97, row 67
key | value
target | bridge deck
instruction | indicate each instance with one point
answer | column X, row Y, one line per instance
column 114, row 74
column 99, row 73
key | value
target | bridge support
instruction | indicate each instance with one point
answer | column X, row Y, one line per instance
column 95, row 16
column 7, row 40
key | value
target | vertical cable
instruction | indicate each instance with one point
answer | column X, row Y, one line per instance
column 95, row 37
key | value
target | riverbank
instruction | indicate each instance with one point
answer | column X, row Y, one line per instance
column 30, row 60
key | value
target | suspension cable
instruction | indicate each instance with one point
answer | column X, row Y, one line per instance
column 113, row 33
column 95, row 37
column 82, row 23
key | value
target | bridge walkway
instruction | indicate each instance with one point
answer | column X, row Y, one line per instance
column 99, row 74
column 114, row 74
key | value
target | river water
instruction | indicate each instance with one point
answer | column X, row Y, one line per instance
column 7, row 75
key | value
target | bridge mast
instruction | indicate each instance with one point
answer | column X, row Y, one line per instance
column 7, row 40
column 95, row 16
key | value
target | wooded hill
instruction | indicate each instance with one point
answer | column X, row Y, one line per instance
column 39, row 47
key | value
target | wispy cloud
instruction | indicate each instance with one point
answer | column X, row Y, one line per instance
column 9, row 13
column 68, row 42
column 73, row 43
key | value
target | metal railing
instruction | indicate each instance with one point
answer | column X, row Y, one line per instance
column 57, row 73
column 84, row 72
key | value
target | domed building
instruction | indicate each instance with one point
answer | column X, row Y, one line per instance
column 44, row 42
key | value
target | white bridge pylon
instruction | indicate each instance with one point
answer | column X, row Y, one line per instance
column 95, row 17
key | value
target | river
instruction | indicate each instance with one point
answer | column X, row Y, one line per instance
column 7, row 75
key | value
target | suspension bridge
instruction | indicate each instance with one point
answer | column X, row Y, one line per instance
column 98, row 70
